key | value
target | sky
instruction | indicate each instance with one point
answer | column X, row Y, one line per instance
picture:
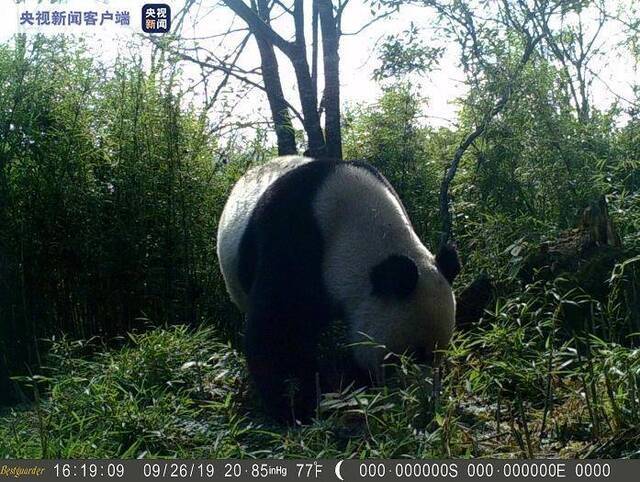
column 358, row 53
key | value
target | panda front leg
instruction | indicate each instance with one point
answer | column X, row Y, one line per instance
column 281, row 346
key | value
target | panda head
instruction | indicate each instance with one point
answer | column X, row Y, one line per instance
column 410, row 307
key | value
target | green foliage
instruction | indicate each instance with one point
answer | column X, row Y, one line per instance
column 536, row 168
column 180, row 393
column 143, row 399
column 551, row 369
column 512, row 387
column 551, row 393
column 110, row 198
column 110, row 193
column 389, row 136
column 404, row 54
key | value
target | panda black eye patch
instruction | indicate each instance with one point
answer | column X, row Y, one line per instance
column 395, row 277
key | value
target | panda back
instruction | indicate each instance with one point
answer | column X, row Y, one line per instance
column 364, row 222
column 238, row 213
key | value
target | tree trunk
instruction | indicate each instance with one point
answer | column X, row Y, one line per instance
column 314, row 44
column 297, row 53
column 308, row 95
column 309, row 102
column 331, row 94
column 271, row 78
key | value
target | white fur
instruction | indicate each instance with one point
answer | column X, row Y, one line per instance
column 363, row 223
column 237, row 212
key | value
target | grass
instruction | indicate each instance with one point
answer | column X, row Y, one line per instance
column 517, row 385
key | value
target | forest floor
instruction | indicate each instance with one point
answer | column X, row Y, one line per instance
column 175, row 392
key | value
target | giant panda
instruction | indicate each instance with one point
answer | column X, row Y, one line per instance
column 304, row 242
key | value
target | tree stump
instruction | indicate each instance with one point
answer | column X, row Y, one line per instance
column 585, row 257
column 587, row 252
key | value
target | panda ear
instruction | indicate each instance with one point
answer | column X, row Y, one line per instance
column 395, row 277
column 448, row 261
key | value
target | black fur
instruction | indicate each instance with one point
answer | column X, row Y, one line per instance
column 448, row 261
column 280, row 268
column 395, row 277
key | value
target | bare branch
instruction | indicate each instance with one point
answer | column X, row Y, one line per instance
column 227, row 74
column 259, row 26
column 369, row 23
column 283, row 6
column 221, row 68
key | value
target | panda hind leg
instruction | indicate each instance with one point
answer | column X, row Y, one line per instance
column 281, row 350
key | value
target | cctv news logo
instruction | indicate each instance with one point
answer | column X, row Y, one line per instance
column 156, row 18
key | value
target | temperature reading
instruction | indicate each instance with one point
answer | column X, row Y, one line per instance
column 310, row 470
